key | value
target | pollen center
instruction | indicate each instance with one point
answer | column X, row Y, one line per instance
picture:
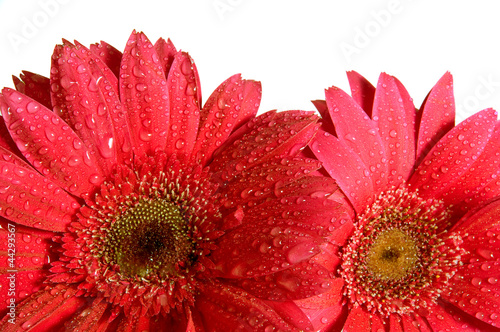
column 150, row 238
column 392, row 255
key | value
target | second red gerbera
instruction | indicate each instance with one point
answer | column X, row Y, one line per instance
column 421, row 251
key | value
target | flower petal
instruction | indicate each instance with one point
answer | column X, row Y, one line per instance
column 35, row 86
column 463, row 145
column 271, row 135
column 56, row 305
column 144, row 94
column 394, row 114
column 237, row 310
column 24, row 255
column 166, row 53
column 109, row 55
column 183, row 88
column 437, row 115
column 326, row 311
column 50, row 145
column 345, row 167
column 84, row 109
column 259, row 183
column 29, row 199
column 358, row 320
column 326, row 120
column 363, row 138
column 480, row 182
column 91, row 317
column 288, row 284
column 233, row 103
column 444, row 317
column 362, row 91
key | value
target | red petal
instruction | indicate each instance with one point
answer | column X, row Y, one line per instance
column 91, row 319
column 357, row 320
column 444, row 317
column 250, row 251
column 32, row 200
column 36, row 87
column 346, row 168
column 166, row 53
column 258, row 183
column 326, row 120
column 81, row 103
column 270, row 135
column 480, row 182
column 326, row 311
column 453, row 155
column 362, row 91
column 183, row 88
column 437, row 115
column 53, row 307
column 233, row 103
column 144, row 94
column 24, row 257
column 109, row 55
column 50, row 145
column 6, row 141
column 394, row 114
column 237, row 310
column 361, row 138
column 298, row 282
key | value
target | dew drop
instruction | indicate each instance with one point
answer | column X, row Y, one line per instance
column 180, row 143
column 301, row 252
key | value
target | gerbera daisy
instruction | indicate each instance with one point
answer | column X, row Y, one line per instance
column 134, row 208
column 422, row 250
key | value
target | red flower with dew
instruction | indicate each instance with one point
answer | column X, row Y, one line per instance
column 134, row 208
column 422, row 251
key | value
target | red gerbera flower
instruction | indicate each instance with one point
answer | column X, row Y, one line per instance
column 422, row 251
column 132, row 208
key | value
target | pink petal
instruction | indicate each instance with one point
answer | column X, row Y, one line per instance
column 462, row 145
column 345, row 167
column 56, row 305
column 144, row 94
column 50, row 145
column 109, row 55
column 271, row 135
column 287, row 285
column 81, row 103
column 394, row 114
column 363, row 138
column 232, row 104
column 35, row 86
column 166, row 53
column 362, row 91
column 437, row 115
column 237, row 310
column 183, row 88
column 29, row 199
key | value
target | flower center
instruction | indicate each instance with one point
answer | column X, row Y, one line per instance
column 151, row 237
column 400, row 256
column 392, row 255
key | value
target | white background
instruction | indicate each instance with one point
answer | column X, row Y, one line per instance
column 296, row 48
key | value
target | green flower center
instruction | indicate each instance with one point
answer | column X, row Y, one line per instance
column 151, row 237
